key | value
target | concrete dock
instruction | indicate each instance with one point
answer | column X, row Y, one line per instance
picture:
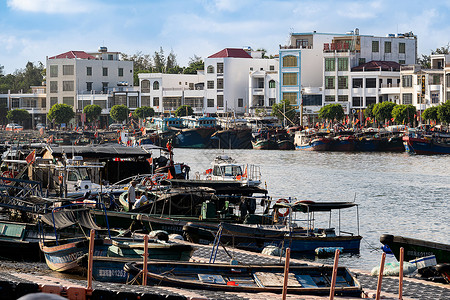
column 16, row 283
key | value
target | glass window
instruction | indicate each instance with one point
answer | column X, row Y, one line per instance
column 105, row 87
column 156, row 85
column 375, row 46
column 329, row 98
column 342, row 82
column 301, row 43
column 88, row 86
column 68, row 86
column 120, row 71
column 133, row 101
column 357, row 83
column 362, row 61
column 343, row 64
column 68, row 69
column 329, row 82
column 272, row 68
column 407, row 98
column 290, row 61
column 68, row 100
column 272, row 84
column 210, row 103
column 436, row 79
column 271, row 101
column 435, row 97
column 219, row 100
column 210, row 85
column 289, row 78
column 145, row 86
column 210, row 69
column 240, row 102
column 88, row 71
column 101, row 103
column 401, row 61
column 53, row 86
column 371, row 100
column 53, row 101
column 156, row 101
column 407, row 81
column 387, row 47
column 220, row 83
column 292, row 97
column 356, row 101
column 401, row 47
column 312, row 100
column 105, row 72
column 342, row 98
column 53, row 71
column 329, row 64
column 371, row 83
column 220, row 68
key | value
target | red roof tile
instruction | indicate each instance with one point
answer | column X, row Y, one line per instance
column 231, row 52
column 74, row 54
column 377, row 65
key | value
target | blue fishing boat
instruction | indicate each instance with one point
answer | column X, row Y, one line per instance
column 418, row 141
column 302, row 279
column 312, row 140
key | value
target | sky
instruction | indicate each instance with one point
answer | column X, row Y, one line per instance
column 31, row 30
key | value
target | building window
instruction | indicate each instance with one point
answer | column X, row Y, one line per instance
column 101, row 103
column 53, row 101
column 448, row 96
column 133, row 101
column 145, row 86
column 329, row 82
column 191, row 86
column 68, row 70
column 53, row 71
column 329, row 98
column 53, row 86
column 387, row 47
column 88, row 86
column 361, row 61
column 290, row 61
column 371, row 83
column 210, row 85
column 240, row 102
column 357, row 83
column 343, row 98
column 371, row 100
column 210, row 69
column 120, row 72
column 271, row 101
column 219, row 100
column 68, row 86
column 251, row 68
column 220, row 68
column 105, row 72
column 110, row 57
column 375, row 46
column 155, row 101
column 342, row 82
column 407, row 81
column 105, row 87
column 356, row 101
column 272, row 84
column 401, row 47
column 342, row 64
column 156, row 85
column 68, row 100
column 329, row 64
column 88, row 71
column 219, row 83
column 292, row 97
column 406, row 99
column 447, row 79
column 312, row 100
column 401, row 61
column 15, row 102
column 434, row 98
column 436, row 79
column 44, row 103
column 289, row 78
column 210, row 103
column 272, row 68
column 301, row 43
column 145, row 100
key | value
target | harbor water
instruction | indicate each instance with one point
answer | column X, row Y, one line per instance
column 397, row 193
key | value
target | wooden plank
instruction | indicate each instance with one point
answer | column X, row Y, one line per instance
column 276, row 279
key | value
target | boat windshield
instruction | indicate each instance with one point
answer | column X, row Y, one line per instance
column 78, row 174
column 230, row 170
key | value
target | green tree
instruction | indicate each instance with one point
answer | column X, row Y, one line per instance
column 285, row 109
column 61, row 113
column 368, row 112
column 119, row 113
column 184, row 110
column 331, row 112
column 425, row 60
column 92, row 112
column 159, row 61
column 18, row 115
column 383, row 111
column 22, row 80
column 443, row 112
column 430, row 114
column 142, row 63
column 144, row 112
column 404, row 113
column 195, row 63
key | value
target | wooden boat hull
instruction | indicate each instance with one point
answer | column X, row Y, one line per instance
column 220, row 277
column 415, row 248
column 264, row 145
column 285, row 145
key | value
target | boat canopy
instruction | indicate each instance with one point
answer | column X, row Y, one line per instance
column 64, row 218
column 311, row 206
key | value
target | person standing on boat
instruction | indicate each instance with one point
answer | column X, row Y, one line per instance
column 131, row 194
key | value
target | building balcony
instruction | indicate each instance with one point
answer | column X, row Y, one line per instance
column 389, row 90
column 258, row 92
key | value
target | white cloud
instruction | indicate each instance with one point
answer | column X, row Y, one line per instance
column 52, row 6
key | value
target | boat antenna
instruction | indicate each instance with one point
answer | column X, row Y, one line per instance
column 354, row 198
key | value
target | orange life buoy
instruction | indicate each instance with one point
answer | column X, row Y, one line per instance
column 282, row 200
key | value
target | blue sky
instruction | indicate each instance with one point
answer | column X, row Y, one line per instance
column 30, row 30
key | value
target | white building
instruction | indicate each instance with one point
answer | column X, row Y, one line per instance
column 78, row 79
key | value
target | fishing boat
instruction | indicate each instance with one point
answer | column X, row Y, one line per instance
column 312, row 140
column 306, row 280
column 343, row 141
column 304, row 240
column 416, row 248
column 418, row 141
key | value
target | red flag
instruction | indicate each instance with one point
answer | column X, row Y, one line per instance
column 31, row 157
column 169, row 175
column 150, row 161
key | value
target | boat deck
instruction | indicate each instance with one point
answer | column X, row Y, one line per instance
column 23, row 282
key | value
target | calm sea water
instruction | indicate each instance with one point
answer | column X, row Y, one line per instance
column 397, row 193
